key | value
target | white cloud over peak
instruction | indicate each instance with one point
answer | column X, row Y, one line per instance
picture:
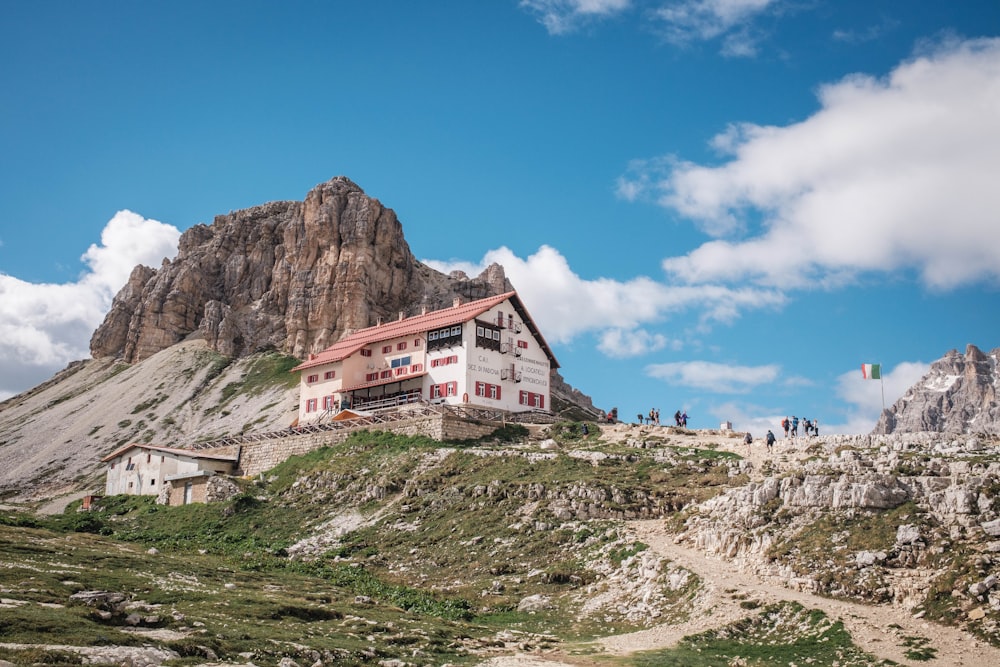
column 864, row 397
column 564, row 16
column 43, row 326
column 716, row 377
column 565, row 305
column 888, row 175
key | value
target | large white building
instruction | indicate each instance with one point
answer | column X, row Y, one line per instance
column 486, row 353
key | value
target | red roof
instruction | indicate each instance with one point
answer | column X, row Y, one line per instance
column 421, row 324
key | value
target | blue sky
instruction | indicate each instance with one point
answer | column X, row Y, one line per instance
column 724, row 206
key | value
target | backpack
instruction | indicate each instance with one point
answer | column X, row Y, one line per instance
column 748, row 439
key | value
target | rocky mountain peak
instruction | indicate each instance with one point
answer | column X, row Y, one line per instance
column 292, row 276
column 958, row 395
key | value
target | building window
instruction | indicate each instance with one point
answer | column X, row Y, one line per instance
column 386, row 349
column 399, row 361
column 366, row 352
column 445, row 337
column 329, row 375
column 149, row 458
column 401, row 345
column 487, row 335
column 444, row 389
column 112, row 465
column 371, row 377
column 487, row 390
column 402, row 370
column 532, row 399
column 152, row 482
column 386, row 374
column 311, row 405
column 523, row 344
column 328, row 403
column 416, row 368
column 416, row 342
column 312, row 378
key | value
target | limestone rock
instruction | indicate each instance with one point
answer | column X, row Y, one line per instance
column 958, row 395
column 293, row 276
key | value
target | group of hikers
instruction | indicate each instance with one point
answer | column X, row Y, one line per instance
column 811, row 427
column 680, row 418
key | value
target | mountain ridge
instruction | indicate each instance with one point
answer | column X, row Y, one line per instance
column 957, row 395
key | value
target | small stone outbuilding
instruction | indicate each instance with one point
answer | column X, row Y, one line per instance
column 175, row 476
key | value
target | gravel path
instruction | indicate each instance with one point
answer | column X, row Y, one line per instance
column 871, row 627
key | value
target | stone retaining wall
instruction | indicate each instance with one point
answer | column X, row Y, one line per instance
column 256, row 457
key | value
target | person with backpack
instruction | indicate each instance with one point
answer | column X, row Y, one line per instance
column 785, row 424
column 769, row 440
column 795, row 426
column 748, row 439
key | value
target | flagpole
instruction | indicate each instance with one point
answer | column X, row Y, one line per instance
column 881, row 383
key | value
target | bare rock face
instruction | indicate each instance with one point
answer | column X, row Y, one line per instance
column 958, row 395
column 294, row 276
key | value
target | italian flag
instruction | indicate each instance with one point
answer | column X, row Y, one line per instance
column 871, row 371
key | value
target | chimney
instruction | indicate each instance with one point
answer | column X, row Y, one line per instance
column 423, row 309
column 457, row 302
column 402, row 316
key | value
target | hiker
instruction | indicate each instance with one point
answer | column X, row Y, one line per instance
column 677, row 417
column 785, row 424
column 656, row 416
column 748, row 439
column 684, row 419
column 770, row 440
column 795, row 426
column 639, row 417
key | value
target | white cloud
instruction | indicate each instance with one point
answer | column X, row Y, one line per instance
column 864, row 397
column 620, row 343
column 711, row 376
column 689, row 20
column 890, row 174
column 43, row 326
column 748, row 417
column 566, row 305
column 564, row 16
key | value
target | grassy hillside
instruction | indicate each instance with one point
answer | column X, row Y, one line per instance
column 441, row 548
column 388, row 548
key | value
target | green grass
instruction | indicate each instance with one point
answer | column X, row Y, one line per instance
column 266, row 371
column 445, row 546
column 780, row 635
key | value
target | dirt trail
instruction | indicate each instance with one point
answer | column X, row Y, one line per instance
column 870, row 626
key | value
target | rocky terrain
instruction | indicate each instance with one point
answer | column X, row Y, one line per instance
column 958, row 395
column 289, row 276
column 590, row 549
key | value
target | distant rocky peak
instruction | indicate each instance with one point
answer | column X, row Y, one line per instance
column 293, row 276
column 958, row 395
